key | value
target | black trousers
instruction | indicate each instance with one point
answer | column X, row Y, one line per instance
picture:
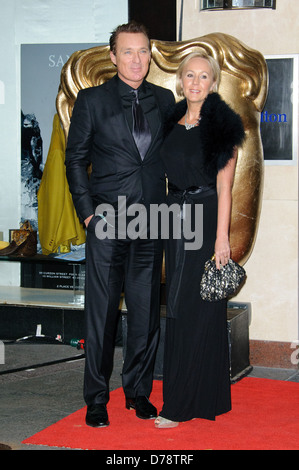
column 113, row 265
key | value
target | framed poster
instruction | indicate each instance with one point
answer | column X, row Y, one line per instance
column 41, row 66
column 279, row 118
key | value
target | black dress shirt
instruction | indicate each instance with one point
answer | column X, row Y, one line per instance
column 146, row 100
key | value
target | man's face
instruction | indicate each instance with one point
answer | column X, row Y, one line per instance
column 132, row 58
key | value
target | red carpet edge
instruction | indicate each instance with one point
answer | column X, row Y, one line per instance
column 264, row 416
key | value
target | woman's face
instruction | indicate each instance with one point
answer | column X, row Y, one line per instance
column 197, row 80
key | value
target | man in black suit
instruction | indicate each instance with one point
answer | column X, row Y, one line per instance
column 101, row 133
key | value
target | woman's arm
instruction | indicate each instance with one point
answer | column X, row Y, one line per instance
column 225, row 179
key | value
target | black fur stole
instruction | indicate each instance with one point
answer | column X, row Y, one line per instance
column 220, row 129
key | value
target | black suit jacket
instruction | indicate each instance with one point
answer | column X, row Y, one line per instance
column 99, row 134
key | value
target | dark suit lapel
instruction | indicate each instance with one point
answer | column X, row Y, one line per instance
column 118, row 115
column 154, row 119
column 114, row 101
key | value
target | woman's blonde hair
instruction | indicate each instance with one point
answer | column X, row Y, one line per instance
column 202, row 54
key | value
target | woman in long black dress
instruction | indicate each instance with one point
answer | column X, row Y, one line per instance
column 199, row 152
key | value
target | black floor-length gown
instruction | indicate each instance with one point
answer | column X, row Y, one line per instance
column 196, row 379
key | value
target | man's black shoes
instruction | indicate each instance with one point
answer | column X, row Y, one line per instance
column 97, row 416
column 144, row 409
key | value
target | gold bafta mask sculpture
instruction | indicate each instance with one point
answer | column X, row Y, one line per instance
column 244, row 85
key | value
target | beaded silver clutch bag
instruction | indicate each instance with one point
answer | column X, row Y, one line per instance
column 217, row 284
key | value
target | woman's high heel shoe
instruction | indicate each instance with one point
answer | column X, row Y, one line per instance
column 164, row 423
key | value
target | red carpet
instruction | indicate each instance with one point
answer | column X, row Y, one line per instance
column 265, row 416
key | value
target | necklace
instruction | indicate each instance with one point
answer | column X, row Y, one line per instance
column 190, row 126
